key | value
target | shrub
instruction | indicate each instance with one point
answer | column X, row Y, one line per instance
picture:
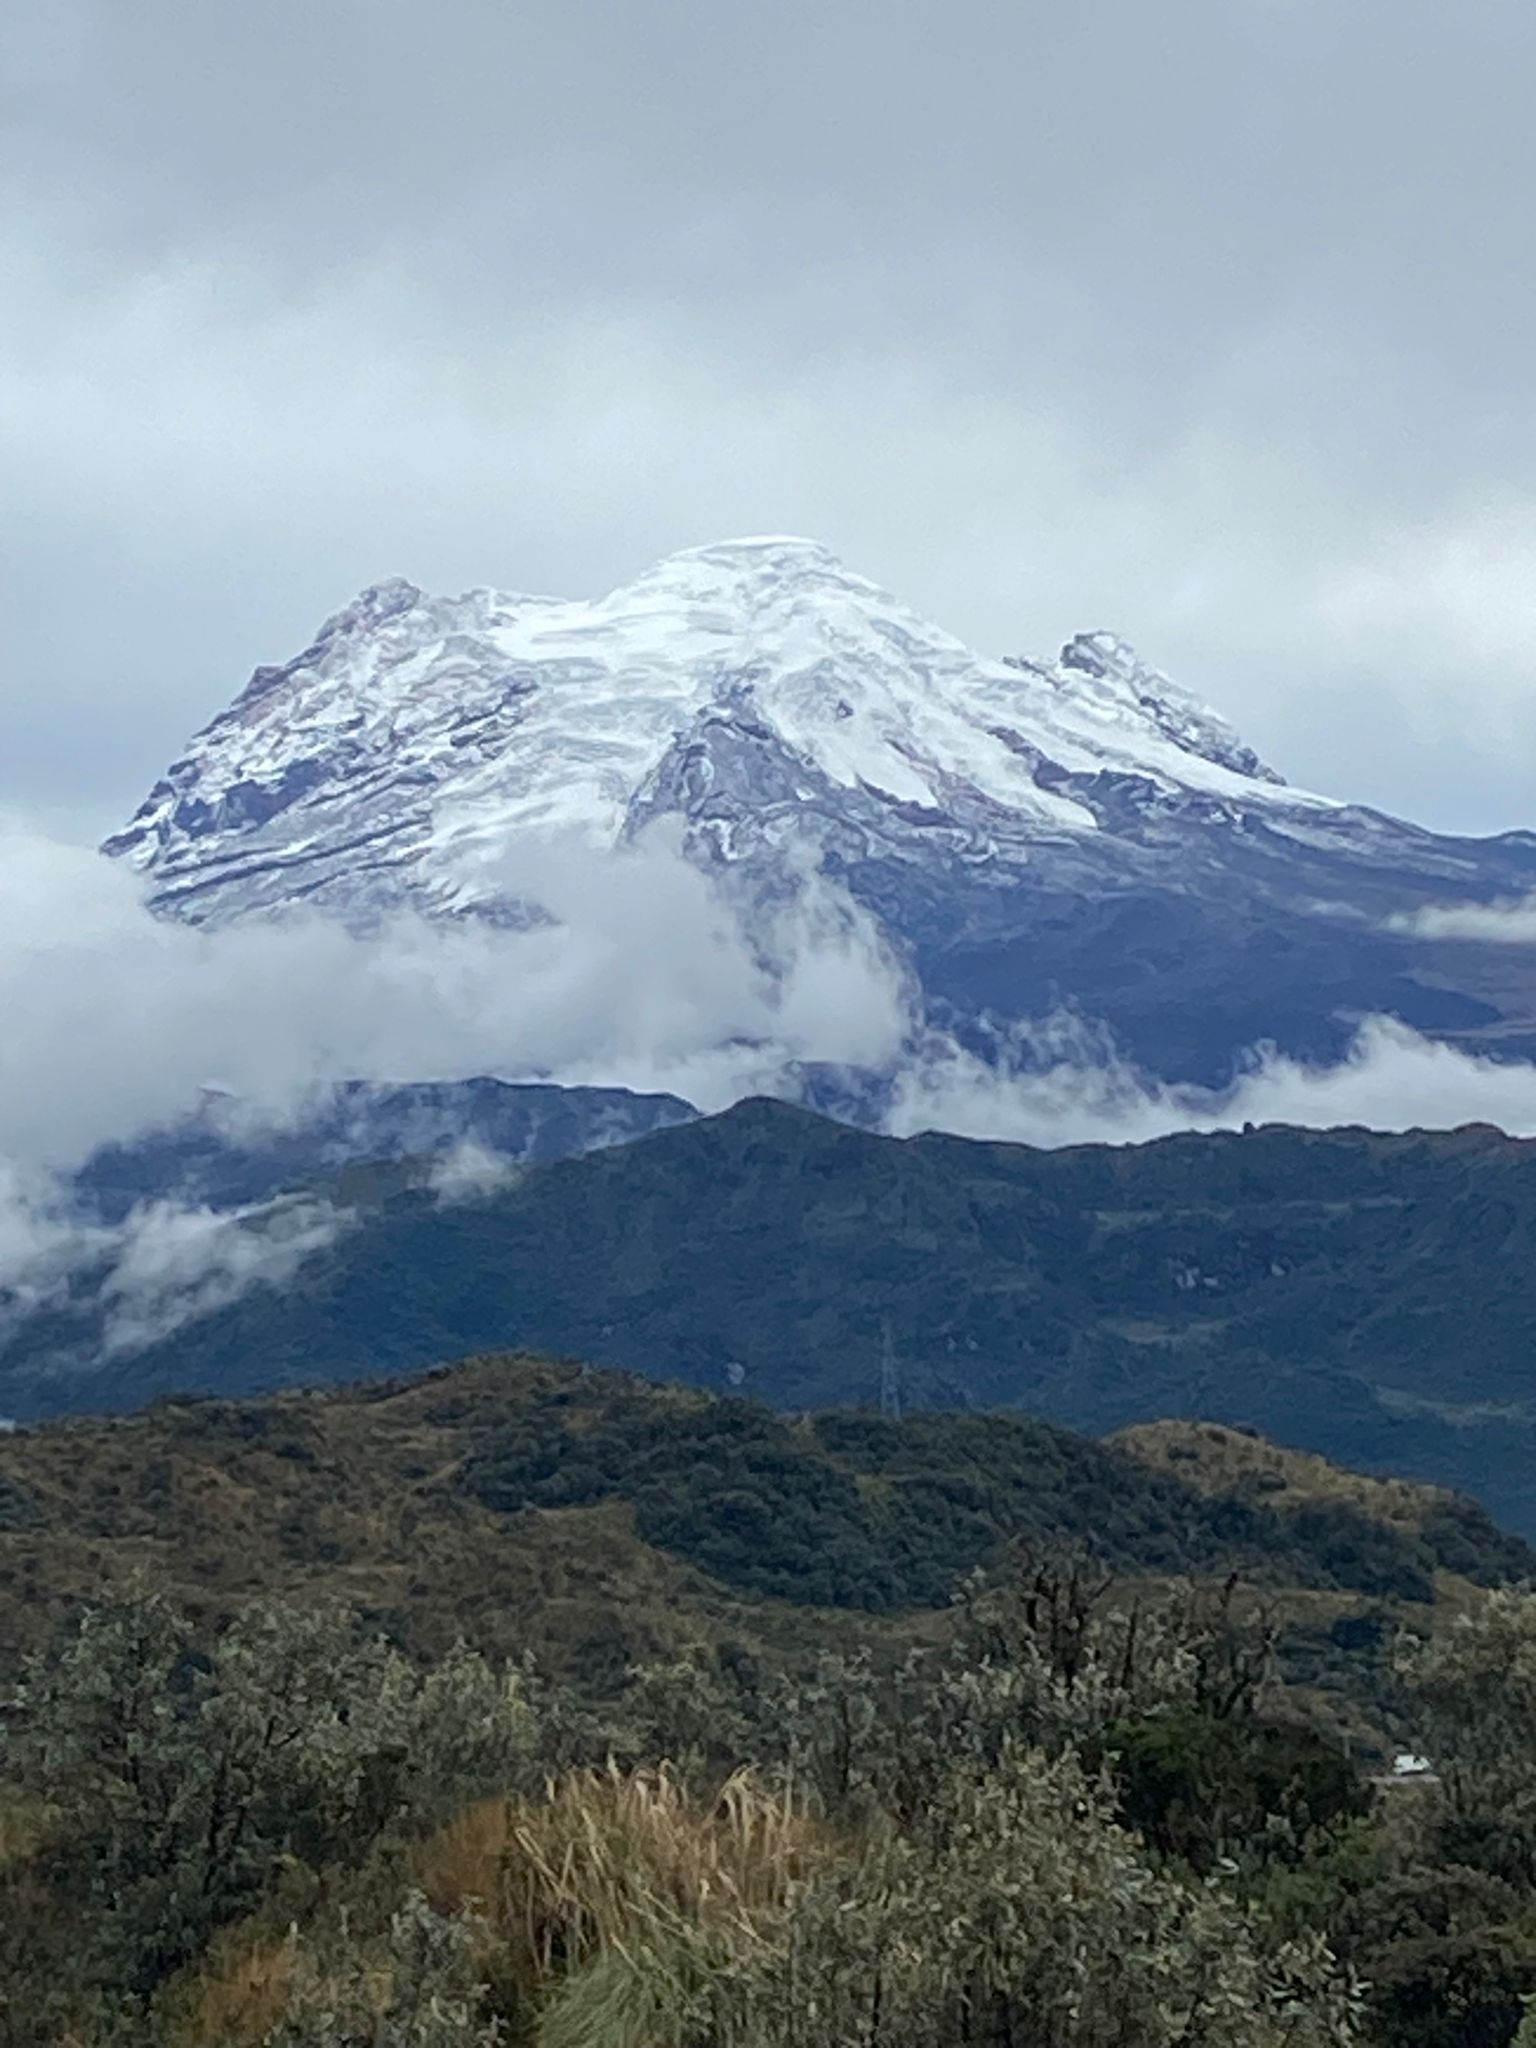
column 184, row 1777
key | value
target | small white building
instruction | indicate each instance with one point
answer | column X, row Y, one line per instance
column 1409, row 1764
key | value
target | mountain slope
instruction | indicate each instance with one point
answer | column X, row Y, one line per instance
column 1027, row 833
column 418, row 736
column 1369, row 1297
column 217, row 1159
column 599, row 1520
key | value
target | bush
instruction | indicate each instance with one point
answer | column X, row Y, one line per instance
column 1200, row 1790
column 184, row 1777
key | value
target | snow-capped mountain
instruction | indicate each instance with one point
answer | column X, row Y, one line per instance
column 1029, row 832
column 758, row 689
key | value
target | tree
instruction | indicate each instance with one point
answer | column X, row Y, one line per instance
column 1019, row 1912
column 1198, row 1789
column 1474, row 1686
column 186, row 1777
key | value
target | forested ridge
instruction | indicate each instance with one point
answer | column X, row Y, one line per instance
column 521, row 1703
column 1362, row 1294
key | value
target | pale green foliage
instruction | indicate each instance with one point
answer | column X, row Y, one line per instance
column 1047, row 1659
column 1476, row 1680
column 1019, row 1912
column 1475, row 1688
column 468, row 1726
column 1014, row 1911
column 685, row 1710
column 187, row 1781
column 924, row 1860
column 415, row 1988
column 1078, row 1659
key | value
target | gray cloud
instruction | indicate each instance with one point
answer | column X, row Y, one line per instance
column 643, row 978
column 116, row 1019
column 1206, row 323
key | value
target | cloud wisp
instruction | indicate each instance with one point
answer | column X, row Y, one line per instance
column 119, row 1022
column 1065, row 1086
column 171, row 1265
column 1510, row 923
column 116, row 1289
column 643, row 977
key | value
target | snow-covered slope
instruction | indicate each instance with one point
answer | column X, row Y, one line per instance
column 420, row 737
column 1028, row 831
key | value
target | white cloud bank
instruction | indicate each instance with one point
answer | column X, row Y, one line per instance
column 114, row 1021
column 1510, row 923
column 1391, row 1079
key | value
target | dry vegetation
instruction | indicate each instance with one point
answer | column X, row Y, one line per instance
column 383, row 1761
column 368, row 1497
column 353, row 1496
column 272, row 1837
column 1236, row 1462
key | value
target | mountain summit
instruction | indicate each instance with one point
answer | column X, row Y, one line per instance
column 1028, row 832
column 397, row 756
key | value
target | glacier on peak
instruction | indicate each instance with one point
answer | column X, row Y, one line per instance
column 421, row 735
column 1024, row 833
column 1176, row 712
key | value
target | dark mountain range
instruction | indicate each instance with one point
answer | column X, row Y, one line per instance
column 1369, row 1296
column 221, row 1159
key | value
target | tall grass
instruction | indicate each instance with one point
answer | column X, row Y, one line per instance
column 611, row 1901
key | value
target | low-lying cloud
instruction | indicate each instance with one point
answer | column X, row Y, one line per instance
column 1066, row 1087
column 170, row 1265
column 116, row 1019
column 1510, row 923
column 472, row 1172
column 118, row 1022
column 643, row 976
column 120, row 1287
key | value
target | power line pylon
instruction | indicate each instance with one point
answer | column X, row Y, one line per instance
column 890, row 1377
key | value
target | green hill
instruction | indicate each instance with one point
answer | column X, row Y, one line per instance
column 278, row 1764
column 1371, row 1297
column 602, row 1520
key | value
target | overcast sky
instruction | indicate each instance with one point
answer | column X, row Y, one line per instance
column 1209, row 322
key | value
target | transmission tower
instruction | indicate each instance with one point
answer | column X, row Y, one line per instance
column 890, row 1377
